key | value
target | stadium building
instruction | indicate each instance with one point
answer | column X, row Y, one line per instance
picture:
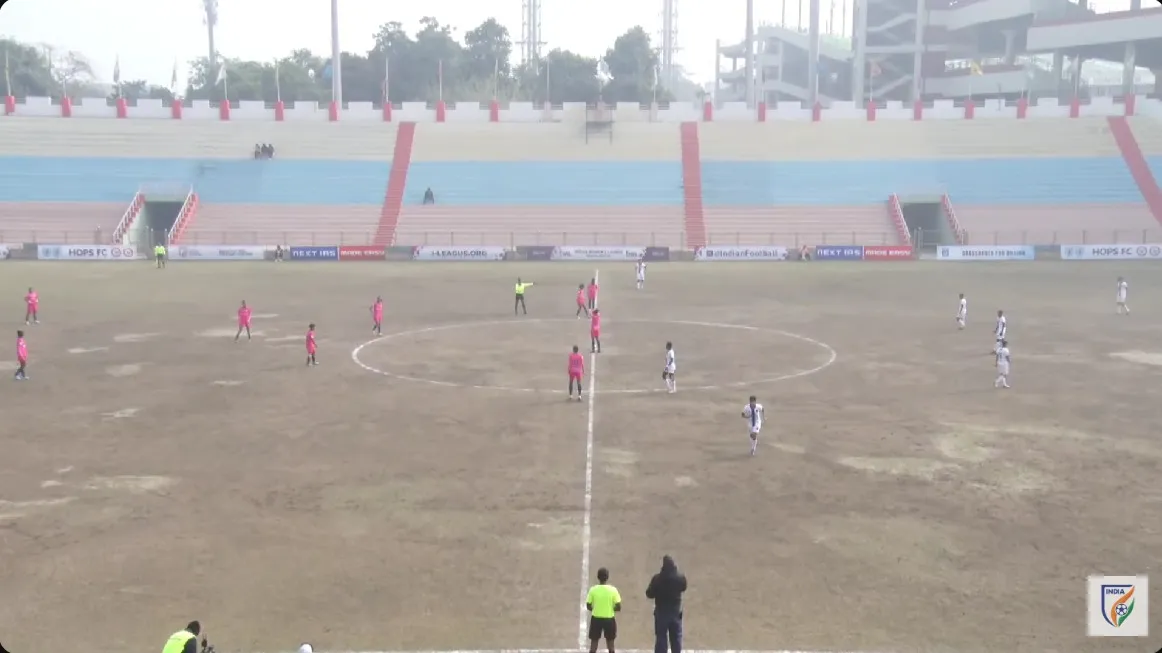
column 908, row 50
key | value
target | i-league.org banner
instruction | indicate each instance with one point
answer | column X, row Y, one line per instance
column 314, row 253
column 986, row 253
column 838, row 253
column 1110, row 252
column 217, row 253
column 597, row 253
column 437, row 253
column 740, row 253
column 86, row 253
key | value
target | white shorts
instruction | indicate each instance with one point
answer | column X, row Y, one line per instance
column 1121, row 300
column 641, row 277
column 755, row 431
column 1002, row 368
column 670, row 369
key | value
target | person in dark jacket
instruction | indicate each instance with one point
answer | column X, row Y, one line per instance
column 666, row 588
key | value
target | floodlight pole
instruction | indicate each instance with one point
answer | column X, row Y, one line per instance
column 336, row 60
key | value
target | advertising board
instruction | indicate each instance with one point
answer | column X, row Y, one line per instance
column 838, row 253
column 1110, row 252
column 597, row 253
column 985, row 253
column 887, row 253
column 217, row 253
column 654, row 254
column 536, row 252
column 362, row 252
column 740, row 253
column 86, row 253
column 314, row 253
column 438, row 253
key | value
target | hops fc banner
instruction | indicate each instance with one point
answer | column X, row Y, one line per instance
column 1110, row 252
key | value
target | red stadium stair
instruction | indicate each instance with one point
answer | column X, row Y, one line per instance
column 396, row 182
column 692, row 186
column 1136, row 162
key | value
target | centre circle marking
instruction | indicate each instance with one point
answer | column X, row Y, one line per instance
column 832, row 355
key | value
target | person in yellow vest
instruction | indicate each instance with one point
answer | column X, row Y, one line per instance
column 159, row 254
column 521, row 287
column 186, row 640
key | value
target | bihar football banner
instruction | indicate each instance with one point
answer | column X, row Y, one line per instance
column 597, row 253
column 86, row 253
column 740, row 253
column 838, row 253
column 437, row 253
column 362, row 252
column 217, row 253
column 985, row 253
column 1110, row 252
column 887, row 253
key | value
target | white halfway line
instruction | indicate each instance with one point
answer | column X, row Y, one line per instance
column 569, row 650
column 587, row 520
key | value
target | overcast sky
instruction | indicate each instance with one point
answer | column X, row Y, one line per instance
column 149, row 35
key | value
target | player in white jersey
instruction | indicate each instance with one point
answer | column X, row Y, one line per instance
column 753, row 414
column 961, row 312
column 1001, row 331
column 641, row 273
column 670, row 369
column 1002, row 365
column 1123, row 290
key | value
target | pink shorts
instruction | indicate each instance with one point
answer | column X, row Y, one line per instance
column 595, row 334
column 22, row 361
column 574, row 376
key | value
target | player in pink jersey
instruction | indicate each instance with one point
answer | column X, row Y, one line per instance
column 595, row 331
column 576, row 371
column 593, row 293
column 243, row 321
column 32, row 307
column 377, row 316
column 311, row 346
column 582, row 309
column 21, row 357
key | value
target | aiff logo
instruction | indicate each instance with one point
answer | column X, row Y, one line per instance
column 1118, row 606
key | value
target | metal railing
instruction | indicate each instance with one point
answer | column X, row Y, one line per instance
column 581, row 238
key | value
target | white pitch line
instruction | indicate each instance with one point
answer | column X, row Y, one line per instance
column 587, row 520
column 569, row 650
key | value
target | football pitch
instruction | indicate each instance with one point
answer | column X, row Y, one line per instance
column 433, row 490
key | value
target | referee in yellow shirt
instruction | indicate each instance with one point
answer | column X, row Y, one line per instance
column 603, row 603
column 521, row 287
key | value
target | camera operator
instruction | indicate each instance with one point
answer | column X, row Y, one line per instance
column 186, row 640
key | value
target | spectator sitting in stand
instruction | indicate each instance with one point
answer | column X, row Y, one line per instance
column 258, row 152
column 268, row 150
column 429, row 197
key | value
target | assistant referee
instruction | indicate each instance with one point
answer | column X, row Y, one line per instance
column 521, row 287
column 603, row 603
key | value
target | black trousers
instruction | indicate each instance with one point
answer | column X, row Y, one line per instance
column 667, row 626
column 519, row 303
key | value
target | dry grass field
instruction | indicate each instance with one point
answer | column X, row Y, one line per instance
column 430, row 494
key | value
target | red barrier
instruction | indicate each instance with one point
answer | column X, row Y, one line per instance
column 918, row 110
column 224, row 110
column 122, row 108
column 279, row 111
column 871, row 111
column 1074, row 108
column 887, row 252
column 9, row 105
column 762, row 111
column 333, row 111
column 970, row 109
column 707, row 112
column 362, row 253
column 494, row 111
column 441, row 111
column 1022, row 108
column 387, row 112
column 1131, row 105
column 817, row 112
column 66, row 108
column 175, row 109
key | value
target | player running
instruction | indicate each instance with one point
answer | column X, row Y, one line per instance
column 243, row 321
column 32, row 307
column 377, row 316
column 21, row 358
column 595, row 331
column 1002, row 366
column 641, row 273
column 1123, row 290
column 576, row 371
column 670, row 369
column 961, row 312
column 753, row 414
column 1001, row 331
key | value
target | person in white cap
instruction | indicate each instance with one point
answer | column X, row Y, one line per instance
column 306, row 648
